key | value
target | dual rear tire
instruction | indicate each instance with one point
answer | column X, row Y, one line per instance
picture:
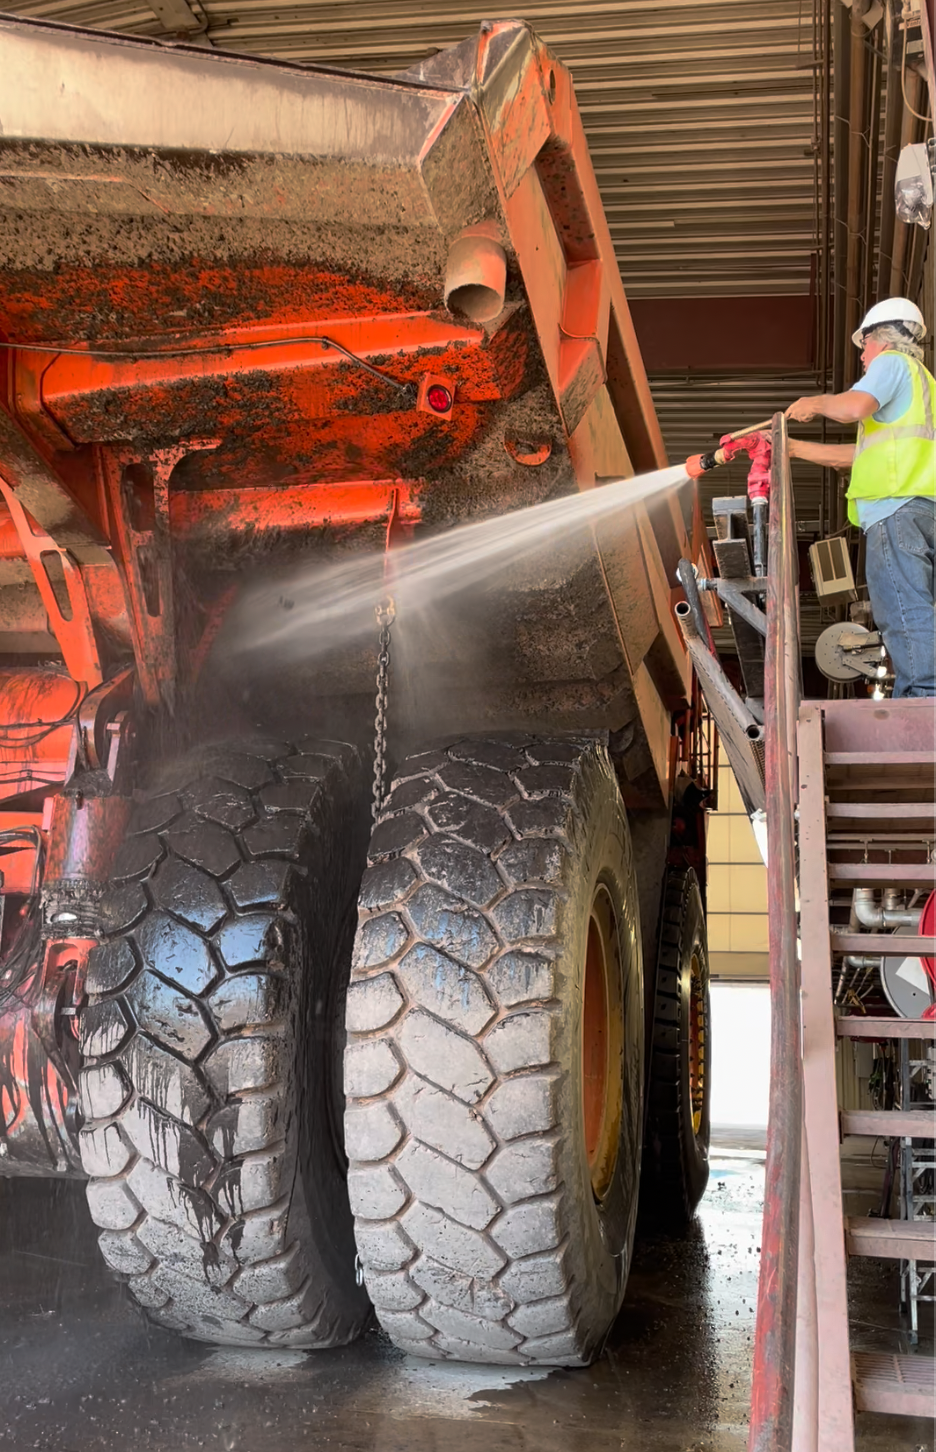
column 493, row 1075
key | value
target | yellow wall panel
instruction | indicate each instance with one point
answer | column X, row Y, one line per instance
column 718, row 838
column 719, row 891
column 729, row 798
column 719, row 932
column 748, row 934
column 737, row 888
column 748, row 888
column 743, row 846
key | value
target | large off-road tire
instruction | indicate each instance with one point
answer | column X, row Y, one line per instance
column 676, row 1144
column 494, row 1068
column 210, row 1091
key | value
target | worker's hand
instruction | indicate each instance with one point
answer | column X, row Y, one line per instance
column 804, row 409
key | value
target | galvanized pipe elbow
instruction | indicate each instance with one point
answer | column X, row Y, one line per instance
column 871, row 915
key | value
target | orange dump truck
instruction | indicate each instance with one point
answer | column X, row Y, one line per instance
column 315, row 1069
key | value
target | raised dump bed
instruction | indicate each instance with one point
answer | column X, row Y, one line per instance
column 255, row 315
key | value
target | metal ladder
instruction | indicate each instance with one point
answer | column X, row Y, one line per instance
column 866, row 791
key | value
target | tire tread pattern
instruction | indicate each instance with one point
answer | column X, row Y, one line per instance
column 187, row 1091
column 452, row 1087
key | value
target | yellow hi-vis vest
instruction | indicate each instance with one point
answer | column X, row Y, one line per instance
column 897, row 460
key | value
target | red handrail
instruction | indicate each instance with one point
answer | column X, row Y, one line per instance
column 771, row 1426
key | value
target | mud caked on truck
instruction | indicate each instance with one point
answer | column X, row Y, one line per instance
column 313, row 1068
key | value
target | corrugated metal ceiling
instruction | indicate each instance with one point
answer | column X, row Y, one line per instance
column 699, row 116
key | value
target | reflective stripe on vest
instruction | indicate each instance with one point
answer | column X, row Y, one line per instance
column 898, row 460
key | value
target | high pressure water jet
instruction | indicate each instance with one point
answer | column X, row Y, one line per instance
column 317, row 607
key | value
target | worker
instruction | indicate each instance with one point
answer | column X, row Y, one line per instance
column 892, row 492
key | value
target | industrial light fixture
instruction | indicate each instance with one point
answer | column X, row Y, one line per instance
column 913, row 185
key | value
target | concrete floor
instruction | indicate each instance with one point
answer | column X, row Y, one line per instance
column 79, row 1372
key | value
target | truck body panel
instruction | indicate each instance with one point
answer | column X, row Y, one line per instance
column 227, row 288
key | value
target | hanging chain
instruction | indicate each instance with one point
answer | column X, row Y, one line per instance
column 386, row 614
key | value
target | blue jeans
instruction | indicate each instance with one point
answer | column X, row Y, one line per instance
column 899, row 565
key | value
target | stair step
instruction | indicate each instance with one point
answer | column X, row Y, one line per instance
column 889, row 1123
column 883, row 943
column 884, row 874
column 859, row 783
column 899, row 1385
column 880, row 758
column 902, row 812
column 891, row 1239
column 885, row 1028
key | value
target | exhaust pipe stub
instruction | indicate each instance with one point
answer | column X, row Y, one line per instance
column 476, row 276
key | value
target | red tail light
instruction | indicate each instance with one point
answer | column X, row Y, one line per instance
column 436, row 395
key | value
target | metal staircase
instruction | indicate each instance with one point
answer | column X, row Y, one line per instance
column 866, row 818
column 851, row 842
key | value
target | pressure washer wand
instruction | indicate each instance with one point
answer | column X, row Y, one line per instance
column 699, row 464
column 757, row 445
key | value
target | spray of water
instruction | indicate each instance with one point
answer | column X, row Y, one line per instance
column 320, row 607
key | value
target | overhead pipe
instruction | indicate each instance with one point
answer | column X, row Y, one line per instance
column 871, row 176
column 841, row 44
column 825, row 163
column 857, row 126
column 893, row 120
column 824, row 350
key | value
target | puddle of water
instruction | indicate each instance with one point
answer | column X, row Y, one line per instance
column 434, row 1389
column 240, row 1365
column 399, row 1388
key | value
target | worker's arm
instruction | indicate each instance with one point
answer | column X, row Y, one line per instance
column 845, row 408
column 833, row 456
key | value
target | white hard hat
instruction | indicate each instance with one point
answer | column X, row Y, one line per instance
column 892, row 310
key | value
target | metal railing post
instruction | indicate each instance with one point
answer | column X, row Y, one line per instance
column 772, row 1399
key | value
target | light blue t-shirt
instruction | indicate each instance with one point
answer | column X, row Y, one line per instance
column 888, row 380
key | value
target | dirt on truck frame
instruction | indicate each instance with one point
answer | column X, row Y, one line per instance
column 315, row 1068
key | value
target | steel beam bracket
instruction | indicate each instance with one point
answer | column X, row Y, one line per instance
column 733, row 593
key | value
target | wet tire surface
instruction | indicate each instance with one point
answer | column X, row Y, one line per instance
column 476, row 1224
column 210, row 1091
column 676, row 1165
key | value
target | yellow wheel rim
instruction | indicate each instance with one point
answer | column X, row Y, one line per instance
column 698, row 1030
column 602, row 1043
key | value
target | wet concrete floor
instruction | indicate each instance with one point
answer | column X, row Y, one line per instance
column 80, row 1372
